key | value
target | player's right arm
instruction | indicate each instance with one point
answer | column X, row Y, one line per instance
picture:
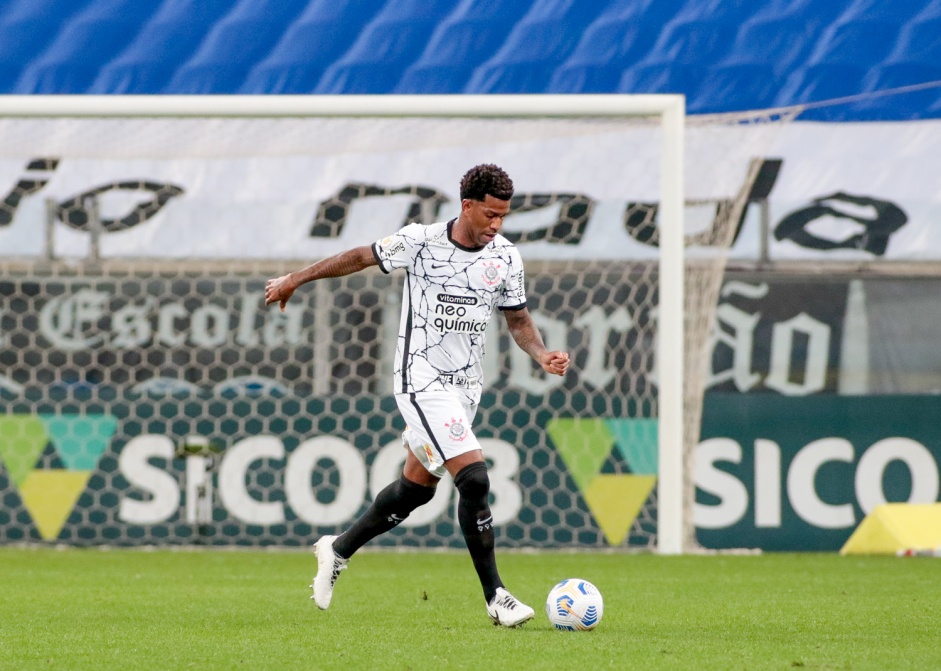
column 280, row 289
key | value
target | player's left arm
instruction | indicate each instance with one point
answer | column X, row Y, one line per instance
column 529, row 339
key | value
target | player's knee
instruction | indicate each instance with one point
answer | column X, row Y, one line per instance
column 412, row 495
column 472, row 482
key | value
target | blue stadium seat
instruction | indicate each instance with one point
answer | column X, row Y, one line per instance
column 696, row 41
column 460, row 44
column 391, row 42
column 614, row 41
column 662, row 78
column 323, row 33
column 535, row 47
column 735, row 11
column 166, row 41
column 811, row 11
column 891, row 11
column 771, row 42
column 859, row 43
column 242, row 38
column 913, row 104
column 819, row 83
column 86, row 42
column 920, row 40
column 26, row 29
column 729, row 88
column 930, row 10
column 723, row 54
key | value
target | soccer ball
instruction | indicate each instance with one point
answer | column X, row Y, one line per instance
column 574, row 605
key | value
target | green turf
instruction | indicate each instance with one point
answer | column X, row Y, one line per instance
column 129, row 609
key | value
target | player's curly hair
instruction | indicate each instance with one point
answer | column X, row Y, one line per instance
column 486, row 179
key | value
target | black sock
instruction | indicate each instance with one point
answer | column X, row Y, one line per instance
column 392, row 505
column 476, row 520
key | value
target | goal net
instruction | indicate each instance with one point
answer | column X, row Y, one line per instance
column 135, row 240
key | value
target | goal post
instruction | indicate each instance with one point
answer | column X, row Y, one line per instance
column 673, row 523
column 152, row 122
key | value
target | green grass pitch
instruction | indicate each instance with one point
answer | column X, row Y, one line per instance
column 133, row 609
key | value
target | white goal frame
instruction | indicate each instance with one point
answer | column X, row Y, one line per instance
column 671, row 110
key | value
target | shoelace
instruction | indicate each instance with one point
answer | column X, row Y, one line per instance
column 508, row 602
column 337, row 567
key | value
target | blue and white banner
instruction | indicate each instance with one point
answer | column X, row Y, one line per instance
column 840, row 191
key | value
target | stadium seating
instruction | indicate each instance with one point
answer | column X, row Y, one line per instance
column 86, row 42
column 385, row 47
column 150, row 60
column 895, row 75
column 659, row 77
column 234, row 45
column 541, row 40
column 309, row 46
column 28, row 27
column 724, row 55
column 610, row 44
column 736, row 86
column 459, row 44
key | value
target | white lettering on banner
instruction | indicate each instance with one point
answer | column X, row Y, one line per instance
column 232, row 472
column 522, row 370
column 349, row 495
column 735, row 331
column 270, row 186
column 768, row 473
column 801, row 481
column 245, row 333
column 738, row 335
column 349, row 498
column 921, row 465
column 597, row 372
column 782, row 344
column 210, row 325
column 163, row 488
column 801, row 485
column 63, row 319
column 284, row 328
column 74, row 322
column 166, row 324
column 131, row 326
column 732, row 495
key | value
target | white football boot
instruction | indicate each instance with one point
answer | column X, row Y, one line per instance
column 505, row 610
column 329, row 565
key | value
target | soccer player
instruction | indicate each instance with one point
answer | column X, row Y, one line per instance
column 457, row 272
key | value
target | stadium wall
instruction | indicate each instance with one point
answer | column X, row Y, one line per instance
column 822, row 373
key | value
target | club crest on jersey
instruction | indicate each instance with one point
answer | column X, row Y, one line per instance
column 491, row 274
column 456, row 429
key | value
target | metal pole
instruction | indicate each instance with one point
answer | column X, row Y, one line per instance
column 49, row 238
column 765, row 221
column 94, row 229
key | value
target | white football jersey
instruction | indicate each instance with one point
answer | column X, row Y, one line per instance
column 450, row 293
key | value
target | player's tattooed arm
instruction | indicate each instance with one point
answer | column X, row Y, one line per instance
column 527, row 336
column 280, row 289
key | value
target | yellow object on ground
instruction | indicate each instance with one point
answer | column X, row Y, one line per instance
column 896, row 527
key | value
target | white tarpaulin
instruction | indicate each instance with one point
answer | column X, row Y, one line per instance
column 309, row 188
